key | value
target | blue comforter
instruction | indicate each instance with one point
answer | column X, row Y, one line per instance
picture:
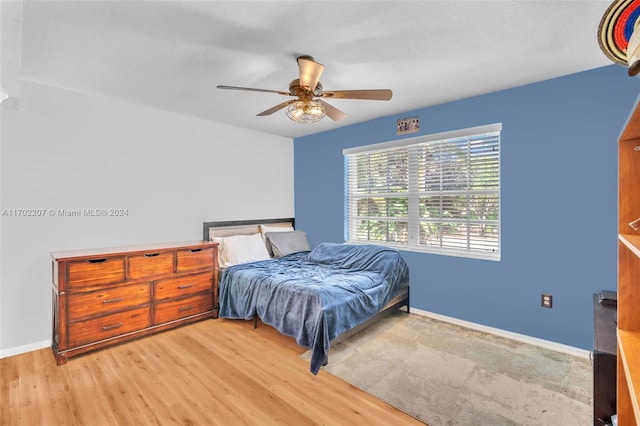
column 315, row 296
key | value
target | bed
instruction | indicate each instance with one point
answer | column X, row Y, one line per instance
column 318, row 295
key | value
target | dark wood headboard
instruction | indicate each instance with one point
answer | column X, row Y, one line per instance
column 247, row 225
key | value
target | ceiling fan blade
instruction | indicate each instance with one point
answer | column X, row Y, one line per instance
column 310, row 72
column 276, row 108
column 332, row 112
column 373, row 94
column 251, row 89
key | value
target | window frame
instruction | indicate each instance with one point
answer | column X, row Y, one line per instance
column 413, row 194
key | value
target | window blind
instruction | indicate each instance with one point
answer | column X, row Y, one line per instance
column 436, row 193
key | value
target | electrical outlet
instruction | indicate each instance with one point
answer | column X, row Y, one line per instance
column 546, row 300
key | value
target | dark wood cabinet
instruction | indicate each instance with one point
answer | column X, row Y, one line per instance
column 604, row 361
column 107, row 296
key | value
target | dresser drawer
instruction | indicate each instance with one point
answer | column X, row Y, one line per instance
column 92, row 272
column 194, row 259
column 93, row 330
column 183, row 286
column 84, row 305
column 176, row 309
column 150, row 264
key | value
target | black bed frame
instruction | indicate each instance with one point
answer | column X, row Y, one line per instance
column 395, row 304
column 207, row 225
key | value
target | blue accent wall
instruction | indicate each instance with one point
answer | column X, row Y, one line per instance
column 559, row 202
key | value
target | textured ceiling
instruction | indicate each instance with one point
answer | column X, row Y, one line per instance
column 171, row 54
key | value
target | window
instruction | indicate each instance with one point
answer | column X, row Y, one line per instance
column 436, row 193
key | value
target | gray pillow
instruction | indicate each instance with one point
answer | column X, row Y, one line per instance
column 284, row 243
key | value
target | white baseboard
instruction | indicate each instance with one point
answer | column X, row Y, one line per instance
column 547, row 344
column 17, row 350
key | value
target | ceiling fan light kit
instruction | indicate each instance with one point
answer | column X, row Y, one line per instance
column 305, row 112
column 305, row 109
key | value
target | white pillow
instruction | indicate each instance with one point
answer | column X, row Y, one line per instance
column 239, row 249
column 266, row 228
column 219, row 241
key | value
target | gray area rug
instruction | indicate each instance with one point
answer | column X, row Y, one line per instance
column 445, row 374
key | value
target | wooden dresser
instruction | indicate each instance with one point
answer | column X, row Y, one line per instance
column 107, row 296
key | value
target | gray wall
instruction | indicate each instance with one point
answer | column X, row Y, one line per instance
column 65, row 150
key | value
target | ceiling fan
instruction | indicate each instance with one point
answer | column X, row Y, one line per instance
column 309, row 106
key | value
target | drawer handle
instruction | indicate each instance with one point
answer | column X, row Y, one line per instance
column 195, row 250
column 111, row 327
column 118, row 299
column 151, row 254
column 182, row 287
column 96, row 260
column 185, row 308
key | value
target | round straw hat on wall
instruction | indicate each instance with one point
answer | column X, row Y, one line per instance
column 615, row 34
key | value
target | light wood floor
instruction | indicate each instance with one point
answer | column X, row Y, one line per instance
column 214, row 372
